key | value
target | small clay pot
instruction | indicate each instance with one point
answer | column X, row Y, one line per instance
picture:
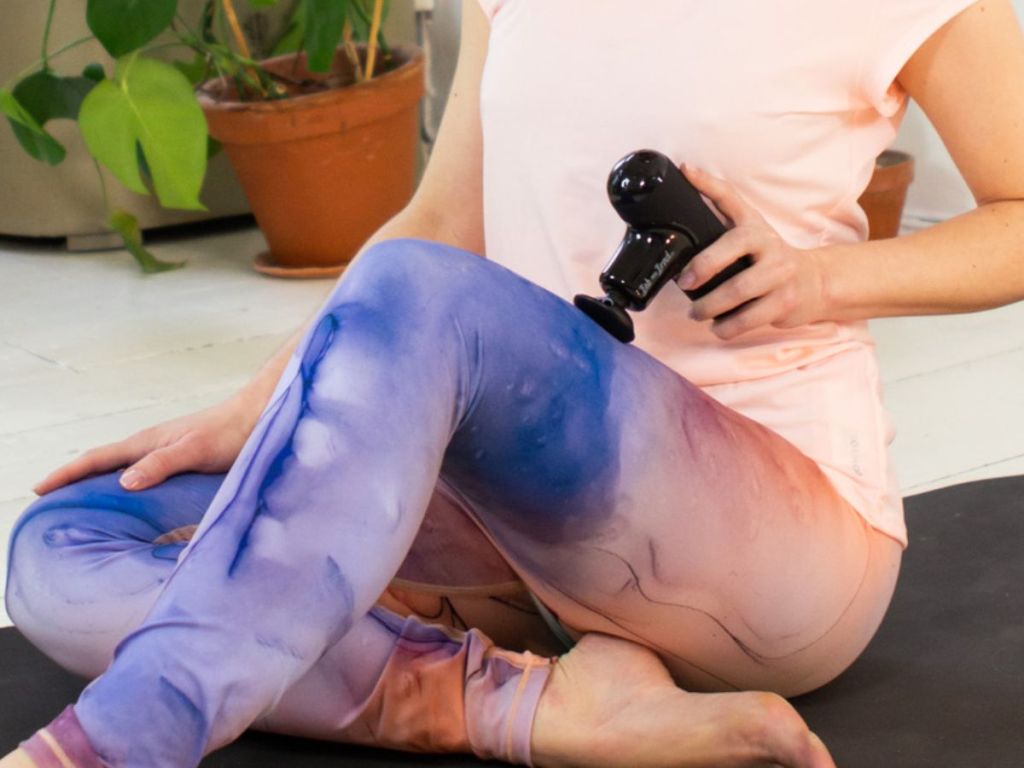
column 322, row 170
column 886, row 193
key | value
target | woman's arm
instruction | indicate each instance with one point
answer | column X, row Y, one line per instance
column 447, row 207
column 969, row 80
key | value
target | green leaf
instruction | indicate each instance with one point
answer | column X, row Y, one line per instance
column 45, row 97
column 110, row 129
column 384, row 47
column 14, row 111
column 48, row 97
column 294, row 33
column 127, row 226
column 30, row 134
column 123, row 26
column 195, row 71
column 207, row 20
column 362, row 20
column 262, row 3
column 94, row 72
column 325, row 20
column 151, row 104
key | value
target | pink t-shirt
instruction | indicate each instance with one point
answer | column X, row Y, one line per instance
column 791, row 102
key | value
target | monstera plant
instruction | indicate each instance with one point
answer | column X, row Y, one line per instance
column 140, row 117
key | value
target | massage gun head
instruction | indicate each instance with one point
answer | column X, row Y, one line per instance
column 610, row 313
column 657, row 203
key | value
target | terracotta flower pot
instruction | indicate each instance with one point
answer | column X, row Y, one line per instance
column 886, row 193
column 324, row 170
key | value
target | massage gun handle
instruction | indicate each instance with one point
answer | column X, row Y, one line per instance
column 649, row 192
column 733, row 269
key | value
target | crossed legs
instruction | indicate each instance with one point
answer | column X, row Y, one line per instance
column 631, row 503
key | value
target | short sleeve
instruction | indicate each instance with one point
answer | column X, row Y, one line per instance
column 899, row 28
column 491, row 7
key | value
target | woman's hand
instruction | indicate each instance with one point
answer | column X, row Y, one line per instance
column 207, row 441
column 784, row 288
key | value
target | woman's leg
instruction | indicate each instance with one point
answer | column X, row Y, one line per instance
column 580, row 455
column 88, row 561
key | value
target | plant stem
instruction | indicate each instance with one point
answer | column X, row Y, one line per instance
column 350, row 50
column 178, row 44
column 179, row 19
column 371, row 53
column 236, row 28
column 243, row 47
column 103, row 185
column 46, row 34
column 33, row 67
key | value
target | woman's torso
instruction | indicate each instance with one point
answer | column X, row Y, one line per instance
column 790, row 103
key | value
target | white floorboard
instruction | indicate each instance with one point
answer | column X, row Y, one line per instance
column 916, row 346
column 958, row 419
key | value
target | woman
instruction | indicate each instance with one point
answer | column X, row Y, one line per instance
column 712, row 504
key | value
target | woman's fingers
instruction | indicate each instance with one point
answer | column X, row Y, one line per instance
column 771, row 307
column 753, row 314
column 731, row 246
column 157, row 465
column 207, row 441
column 752, row 283
column 749, row 235
column 102, row 459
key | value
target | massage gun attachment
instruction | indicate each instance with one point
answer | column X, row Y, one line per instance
column 668, row 224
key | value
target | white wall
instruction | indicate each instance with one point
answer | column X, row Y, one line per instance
column 938, row 191
column 444, row 51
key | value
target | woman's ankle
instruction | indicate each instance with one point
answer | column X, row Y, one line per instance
column 61, row 744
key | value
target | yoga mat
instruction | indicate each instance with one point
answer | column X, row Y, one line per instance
column 942, row 684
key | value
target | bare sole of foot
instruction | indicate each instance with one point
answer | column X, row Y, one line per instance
column 16, row 759
column 610, row 703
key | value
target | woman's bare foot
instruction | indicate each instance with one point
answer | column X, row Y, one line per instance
column 610, row 702
column 16, row 759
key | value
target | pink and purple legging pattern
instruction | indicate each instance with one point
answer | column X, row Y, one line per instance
column 628, row 501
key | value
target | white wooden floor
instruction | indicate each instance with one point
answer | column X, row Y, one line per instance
column 91, row 350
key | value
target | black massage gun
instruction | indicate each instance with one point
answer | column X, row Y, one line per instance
column 668, row 224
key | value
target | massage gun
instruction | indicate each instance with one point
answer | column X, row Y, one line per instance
column 668, row 224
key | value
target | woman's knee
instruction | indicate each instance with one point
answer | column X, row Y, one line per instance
column 417, row 281
column 37, row 542
column 80, row 572
column 43, row 540
column 412, row 300
column 415, row 266
column 41, row 529
column 69, row 532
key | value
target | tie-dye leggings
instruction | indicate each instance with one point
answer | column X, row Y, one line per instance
column 628, row 501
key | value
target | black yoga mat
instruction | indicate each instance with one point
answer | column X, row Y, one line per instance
column 941, row 685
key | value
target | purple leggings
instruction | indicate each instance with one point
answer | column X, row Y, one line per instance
column 627, row 500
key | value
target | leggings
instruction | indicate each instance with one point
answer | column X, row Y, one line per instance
column 628, row 501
